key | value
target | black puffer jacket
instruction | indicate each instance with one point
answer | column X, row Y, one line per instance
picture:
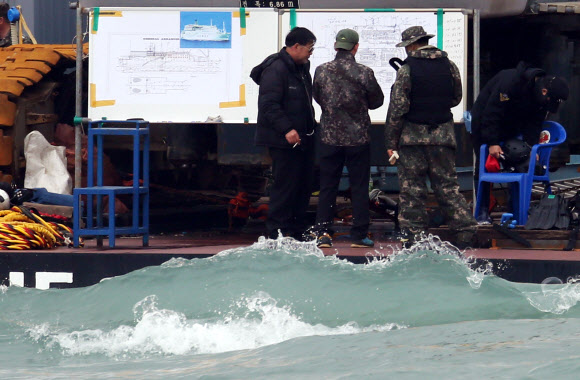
column 285, row 101
column 506, row 107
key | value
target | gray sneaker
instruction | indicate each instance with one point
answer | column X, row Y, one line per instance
column 363, row 243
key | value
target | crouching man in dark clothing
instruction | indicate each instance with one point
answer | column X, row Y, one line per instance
column 286, row 126
column 420, row 126
column 515, row 102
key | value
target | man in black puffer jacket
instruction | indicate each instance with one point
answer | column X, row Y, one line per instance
column 286, row 126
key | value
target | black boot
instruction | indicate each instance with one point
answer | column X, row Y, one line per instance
column 407, row 238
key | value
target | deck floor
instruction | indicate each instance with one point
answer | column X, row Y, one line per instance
column 206, row 235
column 90, row 264
column 211, row 243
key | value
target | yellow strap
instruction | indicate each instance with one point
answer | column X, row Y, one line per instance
column 23, row 24
column 20, row 38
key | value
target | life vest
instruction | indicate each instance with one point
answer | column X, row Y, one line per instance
column 431, row 91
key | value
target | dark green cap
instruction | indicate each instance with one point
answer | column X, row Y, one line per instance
column 346, row 39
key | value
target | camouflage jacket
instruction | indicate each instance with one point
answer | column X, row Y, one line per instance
column 346, row 90
column 7, row 41
column 400, row 131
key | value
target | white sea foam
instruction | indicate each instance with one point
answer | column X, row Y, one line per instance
column 169, row 332
column 432, row 245
column 477, row 275
column 555, row 298
column 288, row 244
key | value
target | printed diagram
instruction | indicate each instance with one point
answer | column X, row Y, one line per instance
column 157, row 68
column 378, row 35
column 170, row 65
column 154, row 60
column 139, row 85
column 154, row 68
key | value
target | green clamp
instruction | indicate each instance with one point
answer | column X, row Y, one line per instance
column 79, row 120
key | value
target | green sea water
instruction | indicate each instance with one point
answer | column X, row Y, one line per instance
column 281, row 310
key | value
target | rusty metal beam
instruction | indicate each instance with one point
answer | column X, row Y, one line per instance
column 39, row 118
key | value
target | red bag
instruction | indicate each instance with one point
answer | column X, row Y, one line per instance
column 492, row 164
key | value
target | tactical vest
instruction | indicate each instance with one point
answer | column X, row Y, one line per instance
column 432, row 91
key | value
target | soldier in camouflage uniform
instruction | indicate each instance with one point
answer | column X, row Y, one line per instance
column 420, row 127
column 5, row 32
column 345, row 90
column 5, row 35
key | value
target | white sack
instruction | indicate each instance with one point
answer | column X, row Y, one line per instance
column 46, row 165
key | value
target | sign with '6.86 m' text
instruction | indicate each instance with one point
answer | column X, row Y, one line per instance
column 269, row 4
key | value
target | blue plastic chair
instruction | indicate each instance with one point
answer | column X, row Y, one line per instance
column 521, row 194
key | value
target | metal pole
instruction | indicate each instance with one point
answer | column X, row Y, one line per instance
column 476, row 84
column 476, row 51
column 79, row 97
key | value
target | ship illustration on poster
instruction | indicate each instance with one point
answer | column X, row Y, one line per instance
column 212, row 30
column 197, row 32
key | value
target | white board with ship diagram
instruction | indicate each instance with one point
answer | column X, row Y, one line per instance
column 185, row 65
column 379, row 31
column 190, row 64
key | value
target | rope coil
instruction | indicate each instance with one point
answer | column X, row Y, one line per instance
column 21, row 229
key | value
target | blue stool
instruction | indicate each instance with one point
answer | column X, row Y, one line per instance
column 139, row 130
column 522, row 193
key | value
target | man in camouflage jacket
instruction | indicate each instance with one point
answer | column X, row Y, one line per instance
column 420, row 127
column 345, row 90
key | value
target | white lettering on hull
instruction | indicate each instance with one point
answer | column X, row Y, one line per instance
column 17, row 279
column 43, row 279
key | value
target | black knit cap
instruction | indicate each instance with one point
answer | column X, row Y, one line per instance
column 557, row 87
column 558, row 91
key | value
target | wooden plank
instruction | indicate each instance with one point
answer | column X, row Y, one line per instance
column 534, row 234
column 539, row 239
column 536, row 244
column 7, row 111
column 6, row 149
column 37, row 118
column 70, row 51
column 23, row 80
column 39, row 66
column 30, row 74
column 33, row 53
column 4, row 55
column 11, row 86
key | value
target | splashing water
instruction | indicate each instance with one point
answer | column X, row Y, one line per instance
column 162, row 331
column 281, row 309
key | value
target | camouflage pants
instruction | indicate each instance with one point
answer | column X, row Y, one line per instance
column 416, row 164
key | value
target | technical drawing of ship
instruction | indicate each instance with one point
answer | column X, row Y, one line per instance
column 197, row 32
column 154, row 59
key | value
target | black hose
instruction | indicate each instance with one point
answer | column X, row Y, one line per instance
column 396, row 63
